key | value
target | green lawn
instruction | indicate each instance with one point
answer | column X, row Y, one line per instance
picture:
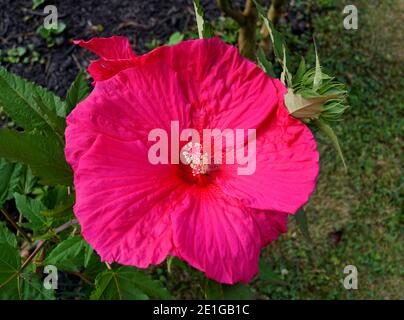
column 355, row 218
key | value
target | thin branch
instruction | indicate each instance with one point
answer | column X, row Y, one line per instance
column 16, row 226
column 83, row 277
column 66, row 226
column 228, row 10
column 39, row 246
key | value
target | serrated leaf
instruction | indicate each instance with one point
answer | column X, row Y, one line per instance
column 127, row 283
column 301, row 220
column 68, row 255
column 27, row 180
column 41, row 153
column 16, row 98
column 31, row 209
column 9, row 265
column 31, row 288
column 57, row 124
column 6, row 236
column 305, row 108
column 77, row 92
column 265, row 64
column 9, row 179
column 238, row 292
column 16, row 285
column 329, row 132
column 204, row 29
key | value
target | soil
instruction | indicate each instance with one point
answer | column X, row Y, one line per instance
column 140, row 20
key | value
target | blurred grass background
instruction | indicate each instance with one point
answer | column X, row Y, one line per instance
column 355, row 218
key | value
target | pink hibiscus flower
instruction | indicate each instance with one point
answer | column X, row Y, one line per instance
column 137, row 213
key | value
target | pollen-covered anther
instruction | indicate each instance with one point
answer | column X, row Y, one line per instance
column 192, row 155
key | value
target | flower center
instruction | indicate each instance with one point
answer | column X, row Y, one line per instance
column 191, row 154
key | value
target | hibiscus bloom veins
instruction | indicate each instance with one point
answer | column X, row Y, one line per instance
column 136, row 210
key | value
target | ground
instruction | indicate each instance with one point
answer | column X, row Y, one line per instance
column 355, row 218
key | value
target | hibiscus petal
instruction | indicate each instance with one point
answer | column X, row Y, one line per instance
column 116, row 55
column 225, row 89
column 104, row 69
column 270, row 224
column 286, row 162
column 216, row 235
column 113, row 48
column 123, row 203
column 127, row 107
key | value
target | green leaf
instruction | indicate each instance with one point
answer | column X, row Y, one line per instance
column 6, row 236
column 204, row 29
column 127, row 283
column 301, row 220
column 238, row 292
column 286, row 76
column 9, row 265
column 88, row 254
column 301, row 70
column 9, row 179
column 45, row 33
column 277, row 39
column 94, row 265
column 16, row 98
column 61, row 26
column 27, row 180
column 55, row 196
column 265, row 64
column 31, row 288
column 331, row 91
column 77, row 92
column 68, row 255
column 175, row 38
column 268, row 275
column 57, row 124
column 37, row 3
column 16, row 285
column 31, row 209
column 17, row 52
column 329, row 132
column 318, row 75
column 213, row 290
column 62, row 209
column 41, row 153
